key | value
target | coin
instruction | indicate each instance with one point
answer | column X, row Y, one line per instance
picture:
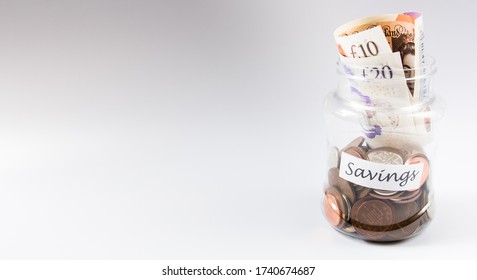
column 340, row 183
column 376, row 214
column 425, row 199
column 356, row 142
column 386, row 155
column 426, row 205
column 349, row 229
column 406, row 220
column 338, row 204
column 331, row 209
column 426, row 218
column 371, row 218
column 356, row 152
column 382, row 194
column 360, row 191
column 420, row 158
column 410, row 148
column 408, row 196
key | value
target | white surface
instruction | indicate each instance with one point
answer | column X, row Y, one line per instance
column 194, row 130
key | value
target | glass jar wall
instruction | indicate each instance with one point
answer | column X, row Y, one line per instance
column 381, row 142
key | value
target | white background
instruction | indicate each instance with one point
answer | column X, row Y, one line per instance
column 194, row 129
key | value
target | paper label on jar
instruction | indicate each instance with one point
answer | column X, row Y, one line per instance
column 381, row 176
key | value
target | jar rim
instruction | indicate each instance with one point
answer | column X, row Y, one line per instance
column 426, row 70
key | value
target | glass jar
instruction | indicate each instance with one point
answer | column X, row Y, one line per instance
column 381, row 127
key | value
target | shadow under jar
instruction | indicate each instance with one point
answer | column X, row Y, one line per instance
column 381, row 127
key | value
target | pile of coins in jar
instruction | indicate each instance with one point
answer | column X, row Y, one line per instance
column 370, row 213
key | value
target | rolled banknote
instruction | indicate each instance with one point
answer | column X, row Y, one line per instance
column 362, row 24
column 382, row 78
column 368, row 43
column 384, row 54
column 403, row 32
column 379, row 82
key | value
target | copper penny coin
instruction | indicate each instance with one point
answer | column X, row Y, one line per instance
column 356, row 142
column 409, row 149
column 372, row 218
column 331, row 209
column 406, row 220
column 409, row 194
column 360, row 191
column 426, row 218
column 336, row 206
column 425, row 199
column 340, row 183
column 420, row 158
column 408, row 197
column 356, row 152
column 381, row 194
